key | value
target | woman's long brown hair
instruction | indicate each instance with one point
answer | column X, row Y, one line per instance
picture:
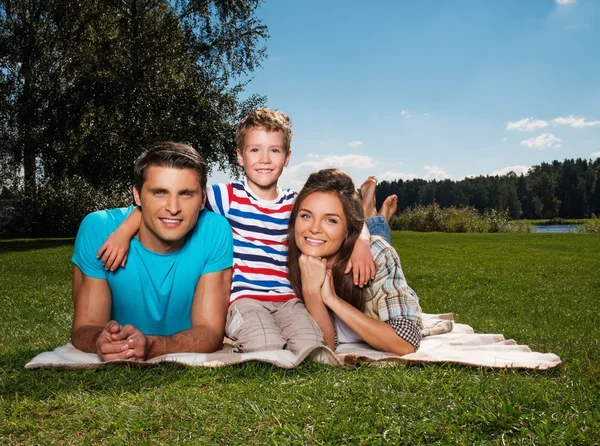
column 337, row 182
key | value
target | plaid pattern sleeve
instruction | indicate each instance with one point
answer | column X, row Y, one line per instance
column 389, row 298
column 407, row 330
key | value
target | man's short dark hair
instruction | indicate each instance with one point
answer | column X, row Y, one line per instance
column 169, row 154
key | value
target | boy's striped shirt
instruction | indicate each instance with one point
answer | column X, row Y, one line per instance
column 259, row 240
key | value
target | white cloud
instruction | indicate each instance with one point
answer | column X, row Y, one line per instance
column 527, row 124
column 295, row 176
column 435, row 173
column 516, row 169
column 544, row 141
column 596, row 154
column 431, row 173
column 574, row 122
column 355, row 143
column 388, row 175
column 565, row 2
column 406, row 114
column 313, row 155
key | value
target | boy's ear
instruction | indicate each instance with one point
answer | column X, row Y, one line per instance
column 287, row 158
column 136, row 197
column 240, row 157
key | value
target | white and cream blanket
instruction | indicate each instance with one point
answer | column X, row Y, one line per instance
column 444, row 341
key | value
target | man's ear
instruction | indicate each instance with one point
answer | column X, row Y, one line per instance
column 240, row 157
column 203, row 200
column 287, row 158
column 136, row 197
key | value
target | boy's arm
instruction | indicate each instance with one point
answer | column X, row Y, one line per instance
column 115, row 248
column 361, row 261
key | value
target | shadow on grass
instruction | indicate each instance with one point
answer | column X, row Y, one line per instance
column 130, row 378
column 10, row 245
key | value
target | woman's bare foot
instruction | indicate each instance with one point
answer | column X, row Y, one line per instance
column 367, row 194
column 389, row 207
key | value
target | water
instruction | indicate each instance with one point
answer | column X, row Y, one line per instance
column 554, row 228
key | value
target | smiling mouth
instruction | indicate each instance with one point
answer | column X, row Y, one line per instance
column 264, row 171
column 170, row 221
column 314, row 241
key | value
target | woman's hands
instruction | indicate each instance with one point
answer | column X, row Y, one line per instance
column 328, row 295
column 317, row 281
column 312, row 274
column 317, row 287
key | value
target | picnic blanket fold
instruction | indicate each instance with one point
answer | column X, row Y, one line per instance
column 444, row 341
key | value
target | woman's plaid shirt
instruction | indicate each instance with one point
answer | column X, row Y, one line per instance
column 389, row 298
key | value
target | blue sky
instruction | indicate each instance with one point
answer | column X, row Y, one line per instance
column 432, row 89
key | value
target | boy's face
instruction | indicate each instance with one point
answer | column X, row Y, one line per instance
column 263, row 159
column 171, row 199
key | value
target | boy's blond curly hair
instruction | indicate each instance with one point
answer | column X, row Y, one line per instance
column 268, row 119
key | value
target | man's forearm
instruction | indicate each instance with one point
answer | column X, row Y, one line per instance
column 84, row 338
column 201, row 339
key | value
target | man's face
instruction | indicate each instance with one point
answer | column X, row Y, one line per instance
column 263, row 158
column 170, row 200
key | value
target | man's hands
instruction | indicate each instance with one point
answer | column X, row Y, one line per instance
column 121, row 342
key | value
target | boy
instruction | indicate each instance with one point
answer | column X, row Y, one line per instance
column 264, row 313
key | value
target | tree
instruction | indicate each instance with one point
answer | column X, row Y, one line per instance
column 545, row 203
column 509, row 199
column 86, row 85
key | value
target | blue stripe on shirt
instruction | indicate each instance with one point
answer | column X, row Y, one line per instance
column 258, row 216
column 218, row 198
column 266, row 285
column 256, row 229
column 261, row 259
column 264, row 248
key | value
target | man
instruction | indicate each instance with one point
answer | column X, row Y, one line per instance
column 174, row 292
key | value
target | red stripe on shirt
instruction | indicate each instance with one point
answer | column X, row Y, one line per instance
column 246, row 201
column 263, row 271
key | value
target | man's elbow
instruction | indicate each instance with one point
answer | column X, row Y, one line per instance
column 78, row 341
column 209, row 340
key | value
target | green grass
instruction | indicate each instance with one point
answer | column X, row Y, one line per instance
column 540, row 289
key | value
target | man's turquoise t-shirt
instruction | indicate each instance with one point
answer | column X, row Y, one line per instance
column 154, row 292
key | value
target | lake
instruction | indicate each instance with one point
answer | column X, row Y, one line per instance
column 554, row 228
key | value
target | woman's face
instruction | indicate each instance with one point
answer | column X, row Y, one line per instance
column 320, row 227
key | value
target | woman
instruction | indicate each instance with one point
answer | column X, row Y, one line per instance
column 325, row 223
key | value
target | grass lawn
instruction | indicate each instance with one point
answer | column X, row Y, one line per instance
column 540, row 289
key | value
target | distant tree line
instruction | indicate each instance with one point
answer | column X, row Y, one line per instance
column 568, row 189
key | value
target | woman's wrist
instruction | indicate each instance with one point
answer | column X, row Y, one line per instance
column 332, row 302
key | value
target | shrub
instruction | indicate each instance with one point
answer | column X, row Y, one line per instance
column 60, row 207
column 591, row 225
column 466, row 219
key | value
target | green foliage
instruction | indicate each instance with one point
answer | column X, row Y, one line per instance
column 591, row 225
column 433, row 218
column 568, row 189
column 59, row 207
column 539, row 289
column 84, row 86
